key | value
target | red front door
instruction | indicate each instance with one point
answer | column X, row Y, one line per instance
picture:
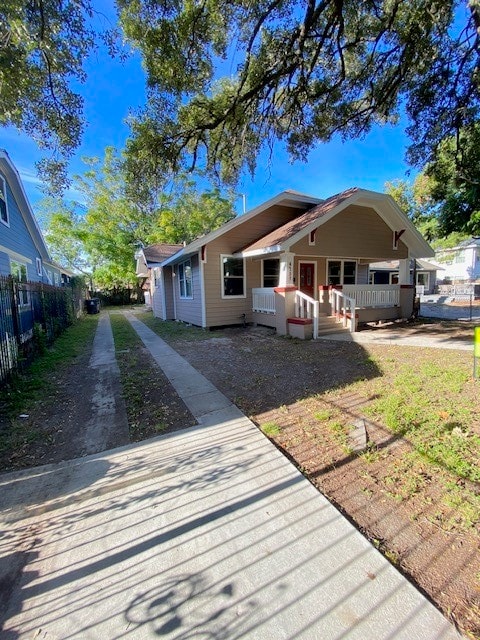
column 307, row 278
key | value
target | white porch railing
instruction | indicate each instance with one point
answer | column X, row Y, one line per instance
column 263, row 300
column 371, row 295
column 342, row 307
column 306, row 307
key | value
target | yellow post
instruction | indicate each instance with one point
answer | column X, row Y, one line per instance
column 476, row 352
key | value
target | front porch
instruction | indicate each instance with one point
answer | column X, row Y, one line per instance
column 292, row 312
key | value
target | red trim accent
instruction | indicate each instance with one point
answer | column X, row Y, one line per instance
column 285, row 289
column 323, row 287
column 406, row 286
column 302, row 321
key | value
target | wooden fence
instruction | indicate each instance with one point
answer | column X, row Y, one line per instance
column 32, row 315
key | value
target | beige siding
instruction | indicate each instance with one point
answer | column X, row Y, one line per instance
column 244, row 234
column 362, row 274
column 356, row 232
column 169, row 304
column 190, row 310
column 223, row 311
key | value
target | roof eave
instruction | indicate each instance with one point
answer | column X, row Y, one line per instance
column 24, row 206
column 264, row 251
column 290, row 198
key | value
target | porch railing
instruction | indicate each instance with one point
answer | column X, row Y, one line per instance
column 371, row 296
column 307, row 307
column 263, row 300
column 343, row 307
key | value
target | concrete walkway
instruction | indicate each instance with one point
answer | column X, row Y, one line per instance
column 396, row 337
column 207, row 533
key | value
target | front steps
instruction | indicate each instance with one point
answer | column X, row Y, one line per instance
column 329, row 324
column 302, row 328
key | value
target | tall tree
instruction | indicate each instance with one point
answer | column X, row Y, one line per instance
column 298, row 71
column 113, row 226
column 454, row 182
column 416, row 201
column 43, row 44
column 61, row 223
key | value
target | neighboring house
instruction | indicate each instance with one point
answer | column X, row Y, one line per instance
column 149, row 260
column 292, row 262
column 23, row 252
column 422, row 273
column 461, row 263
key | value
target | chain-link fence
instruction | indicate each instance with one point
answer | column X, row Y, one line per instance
column 32, row 315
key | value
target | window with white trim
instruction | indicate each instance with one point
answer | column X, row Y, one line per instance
column 185, row 279
column 38, row 262
column 271, row 272
column 3, row 202
column 19, row 273
column 341, row 272
column 423, row 279
column 233, row 277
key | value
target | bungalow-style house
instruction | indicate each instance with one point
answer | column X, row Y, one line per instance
column 461, row 264
column 295, row 263
column 422, row 273
column 149, row 261
column 23, row 252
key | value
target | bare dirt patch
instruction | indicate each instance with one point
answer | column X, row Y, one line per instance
column 53, row 428
column 306, row 394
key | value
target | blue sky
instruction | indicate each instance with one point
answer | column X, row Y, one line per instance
column 113, row 88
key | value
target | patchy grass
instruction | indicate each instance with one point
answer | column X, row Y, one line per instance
column 21, row 395
column 153, row 406
column 171, row 330
column 270, row 429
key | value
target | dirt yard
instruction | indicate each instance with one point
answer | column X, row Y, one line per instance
column 304, row 396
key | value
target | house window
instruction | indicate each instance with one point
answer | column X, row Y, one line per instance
column 19, row 273
column 3, row 202
column 423, row 279
column 460, row 257
column 341, row 272
column 271, row 272
column 233, row 277
column 185, row 279
column 38, row 262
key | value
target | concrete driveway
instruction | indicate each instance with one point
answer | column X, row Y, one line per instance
column 207, row 533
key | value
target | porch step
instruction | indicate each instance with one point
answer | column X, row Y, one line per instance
column 329, row 324
column 303, row 327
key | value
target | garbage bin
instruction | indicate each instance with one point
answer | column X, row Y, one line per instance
column 93, row 305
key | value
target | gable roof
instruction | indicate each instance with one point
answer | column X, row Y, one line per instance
column 157, row 253
column 15, row 183
column 284, row 237
column 389, row 265
column 288, row 198
column 469, row 243
column 278, row 237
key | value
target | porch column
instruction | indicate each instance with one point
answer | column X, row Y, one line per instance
column 286, row 270
column 404, row 271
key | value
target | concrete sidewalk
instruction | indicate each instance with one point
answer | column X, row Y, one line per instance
column 209, row 532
